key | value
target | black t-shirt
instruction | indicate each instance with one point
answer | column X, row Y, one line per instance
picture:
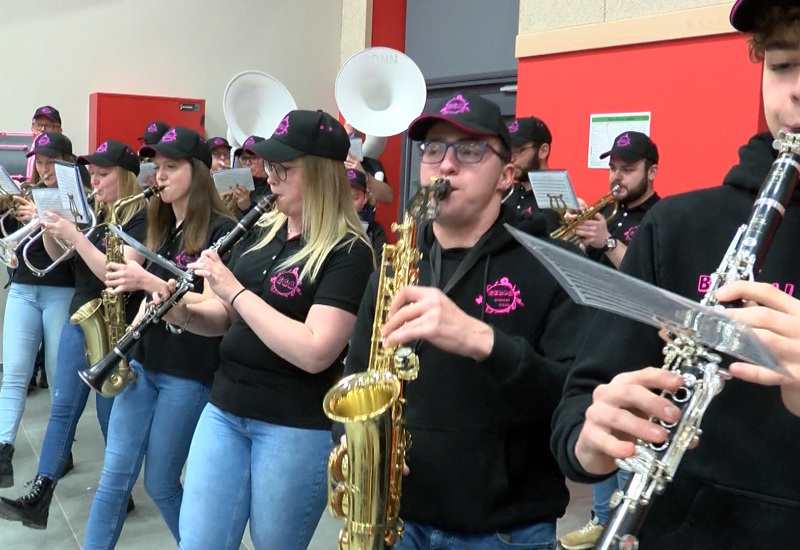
column 623, row 225
column 523, row 202
column 185, row 355
column 88, row 286
column 253, row 381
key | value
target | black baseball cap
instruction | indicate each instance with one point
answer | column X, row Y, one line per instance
column 357, row 179
column 180, row 143
column 216, row 142
column 49, row 112
column 469, row 112
column 153, row 132
column 745, row 12
column 523, row 130
column 51, row 144
column 248, row 143
column 113, row 153
column 632, row 146
column 305, row 133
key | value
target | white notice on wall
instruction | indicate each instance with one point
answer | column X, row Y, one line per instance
column 604, row 128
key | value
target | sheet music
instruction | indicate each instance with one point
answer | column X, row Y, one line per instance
column 226, row 180
column 553, row 189
column 593, row 284
column 70, row 186
column 7, row 185
column 146, row 170
column 48, row 199
column 357, row 148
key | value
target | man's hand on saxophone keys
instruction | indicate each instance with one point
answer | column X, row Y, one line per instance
column 619, row 415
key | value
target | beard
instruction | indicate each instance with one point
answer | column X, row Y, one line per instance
column 521, row 173
column 636, row 192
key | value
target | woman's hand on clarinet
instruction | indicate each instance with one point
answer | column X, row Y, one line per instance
column 61, row 228
column 126, row 277
column 218, row 276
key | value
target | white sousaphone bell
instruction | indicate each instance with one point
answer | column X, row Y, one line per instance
column 254, row 103
column 380, row 91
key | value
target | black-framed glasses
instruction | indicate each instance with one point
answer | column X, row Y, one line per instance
column 248, row 159
column 46, row 127
column 279, row 169
column 466, row 151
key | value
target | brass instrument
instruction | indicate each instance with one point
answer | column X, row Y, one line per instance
column 566, row 232
column 364, row 478
column 103, row 319
column 9, row 208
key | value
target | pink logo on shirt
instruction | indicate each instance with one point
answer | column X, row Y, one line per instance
column 172, row 135
column 456, row 106
column 184, row 258
column 704, row 285
column 286, row 283
column 283, row 127
column 103, row 147
column 502, row 297
column 628, row 235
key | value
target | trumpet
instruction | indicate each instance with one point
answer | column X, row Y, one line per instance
column 7, row 205
column 566, row 232
column 66, row 248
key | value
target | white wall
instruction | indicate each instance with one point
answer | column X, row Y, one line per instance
column 57, row 52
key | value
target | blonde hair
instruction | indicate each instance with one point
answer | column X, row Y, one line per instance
column 328, row 216
column 36, row 178
column 127, row 186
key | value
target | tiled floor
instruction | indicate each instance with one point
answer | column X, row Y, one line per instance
column 144, row 529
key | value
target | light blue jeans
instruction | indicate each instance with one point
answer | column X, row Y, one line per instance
column 240, row 469
column 69, row 401
column 32, row 312
column 601, row 494
column 539, row 536
column 154, row 416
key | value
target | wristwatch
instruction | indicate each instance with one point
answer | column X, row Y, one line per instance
column 610, row 244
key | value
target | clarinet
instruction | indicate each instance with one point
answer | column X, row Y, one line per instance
column 653, row 465
column 96, row 375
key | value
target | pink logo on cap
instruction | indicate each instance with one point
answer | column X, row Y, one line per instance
column 47, row 110
column 456, row 106
column 514, row 127
column 283, row 127
column 351, row 174
column 624, row 140
column 103, row 147
column 44, row 139
column 249, row 141
column 172, row 135
column 218, row 141
column 152, row 128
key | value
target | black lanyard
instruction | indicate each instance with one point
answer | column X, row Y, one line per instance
column 463, row 267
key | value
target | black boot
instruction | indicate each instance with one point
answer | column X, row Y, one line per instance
column 32, row 509
column 131, row 506
column 6, row 469
column 43, row 379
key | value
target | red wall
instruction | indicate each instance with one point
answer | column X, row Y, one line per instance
column 704, row 95
column 389, row 30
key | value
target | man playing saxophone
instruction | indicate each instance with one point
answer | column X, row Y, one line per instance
column 632, row 170
column 495, row 336
column 739, row 488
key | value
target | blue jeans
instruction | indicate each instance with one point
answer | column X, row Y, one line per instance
column 170, row 406
column 32, row 312
column 601, row 494
column 539, row 536
column 240, row 469
column 69, row 400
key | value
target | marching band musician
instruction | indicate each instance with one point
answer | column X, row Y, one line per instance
column 155, row 416
column 361, row 200
column 497, row 336
column 739, row 487
column 36, row 307
column 377, row 186
column 113, row 169
column 220, row 153
column 246, row 156
column 286, row 305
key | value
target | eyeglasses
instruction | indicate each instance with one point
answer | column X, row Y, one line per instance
column 222, row 155
column 247, row 159
column 466, row 151
column 279, row 169
column 48, row 127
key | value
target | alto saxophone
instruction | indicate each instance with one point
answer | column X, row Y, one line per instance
column 365, row 477
column 103, row 319
column 654, row 465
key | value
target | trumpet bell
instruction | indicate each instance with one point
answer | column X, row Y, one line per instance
column 254, row 103
column 380, row 91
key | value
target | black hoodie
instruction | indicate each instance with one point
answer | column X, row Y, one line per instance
column 479, row 459
column 740, row 488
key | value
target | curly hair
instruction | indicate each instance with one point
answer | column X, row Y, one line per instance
column 776, row 27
